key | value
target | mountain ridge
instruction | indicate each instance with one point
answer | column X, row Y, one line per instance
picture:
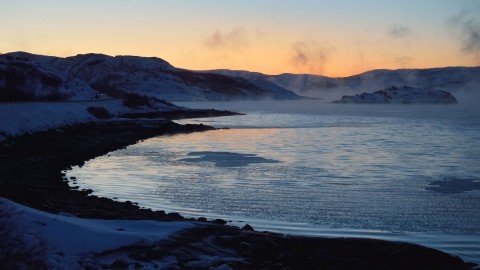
column 93, row 75
column 116, row 76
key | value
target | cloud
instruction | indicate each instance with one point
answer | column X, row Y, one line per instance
column 467, row 24
column 399, row 31
column 403, row 61
column 310, row 57
column 237, row 38
column 215, row 40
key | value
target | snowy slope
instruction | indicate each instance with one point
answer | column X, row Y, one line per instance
column 72, row 241
column 404, row 94
column 19, row 118
column 115, row 76
column 30, row 78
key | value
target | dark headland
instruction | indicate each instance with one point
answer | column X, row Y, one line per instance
column 31, row 168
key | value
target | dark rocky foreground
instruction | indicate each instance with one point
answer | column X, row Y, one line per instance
column 31, row 166
column 31, row 173
column 232, row 248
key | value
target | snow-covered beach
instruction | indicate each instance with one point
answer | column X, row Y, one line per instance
column 69, row 242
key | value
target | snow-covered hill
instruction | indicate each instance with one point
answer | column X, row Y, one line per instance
column 29, row 77
column 404, row 95
column 462, row 81
column 90, row 75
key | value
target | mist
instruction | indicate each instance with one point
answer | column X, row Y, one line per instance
column 462, row 82
column 310, row 57
column 467, row 94
column 463, row 110
column 399, row 31
column 236, row 39
column 467, row 25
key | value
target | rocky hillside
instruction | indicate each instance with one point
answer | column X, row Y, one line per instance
column 89, row 76
column 402, row 95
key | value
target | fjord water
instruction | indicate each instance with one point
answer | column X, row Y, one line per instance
column 395, row 172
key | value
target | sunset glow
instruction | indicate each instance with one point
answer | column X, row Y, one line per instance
column 333, row 38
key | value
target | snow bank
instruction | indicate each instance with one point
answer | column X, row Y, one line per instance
column 70, row 239
column 20, row 118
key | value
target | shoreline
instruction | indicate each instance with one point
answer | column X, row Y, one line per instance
column 31, row 168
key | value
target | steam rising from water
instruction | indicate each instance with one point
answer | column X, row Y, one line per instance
column 310, row 57
column 468, row 25
column 464, row 84
column 400, row 31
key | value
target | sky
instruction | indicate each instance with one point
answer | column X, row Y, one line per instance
column 334, row 38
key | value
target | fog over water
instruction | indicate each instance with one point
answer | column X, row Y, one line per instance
column 402, row 172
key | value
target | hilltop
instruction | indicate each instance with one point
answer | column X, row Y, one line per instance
column 25, row 76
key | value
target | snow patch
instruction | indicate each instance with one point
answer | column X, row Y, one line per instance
column 69, row 240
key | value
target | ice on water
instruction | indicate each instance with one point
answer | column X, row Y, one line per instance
column 226, row 159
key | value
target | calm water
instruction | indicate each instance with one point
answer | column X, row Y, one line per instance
column 397, row 172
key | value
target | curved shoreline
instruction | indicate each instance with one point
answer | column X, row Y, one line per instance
column 31, row 166
column 31, row 174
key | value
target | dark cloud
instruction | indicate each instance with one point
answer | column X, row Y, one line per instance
column 399, row 31
column 308, row 56
column 237, row 38
column 467, row 23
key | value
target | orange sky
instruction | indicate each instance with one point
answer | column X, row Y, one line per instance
column 333, row 38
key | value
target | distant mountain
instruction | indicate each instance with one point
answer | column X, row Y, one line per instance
column 87, row 76
column 25, row 76
column 451, row 79
column 402, row 95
